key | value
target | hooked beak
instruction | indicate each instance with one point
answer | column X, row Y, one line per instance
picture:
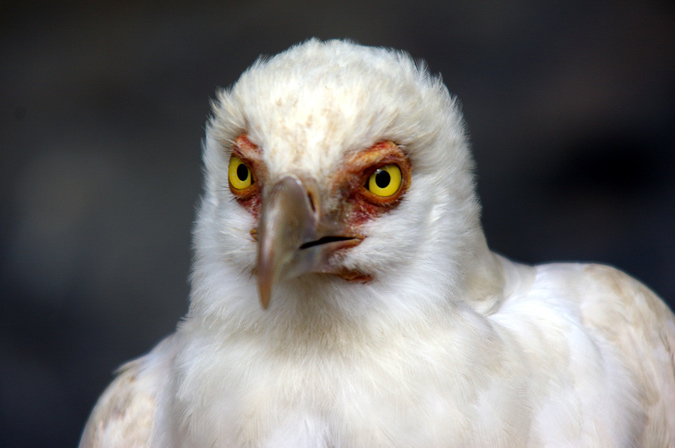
column 294, row 237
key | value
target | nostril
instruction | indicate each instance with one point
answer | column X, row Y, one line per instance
column 310, row 198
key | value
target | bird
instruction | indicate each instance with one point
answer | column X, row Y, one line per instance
column 343, row 293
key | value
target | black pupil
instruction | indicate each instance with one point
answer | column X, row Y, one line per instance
column 242, row 172
column 382, row 178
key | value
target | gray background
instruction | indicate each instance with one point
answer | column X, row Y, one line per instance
column 570, row 108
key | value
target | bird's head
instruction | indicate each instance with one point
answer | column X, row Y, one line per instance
column 337, row 175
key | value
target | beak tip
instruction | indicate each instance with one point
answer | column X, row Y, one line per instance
column 264, row 292
column 264, row 302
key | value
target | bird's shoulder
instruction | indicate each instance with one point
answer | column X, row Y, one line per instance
column 601, row 296
column 611, row 296
column 125, row 413
column 608, row 301
column 641, row 327
column 631, row 330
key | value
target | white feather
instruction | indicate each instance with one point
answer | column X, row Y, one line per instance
column 448, row 345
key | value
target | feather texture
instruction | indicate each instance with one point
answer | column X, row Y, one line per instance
column 440, row 343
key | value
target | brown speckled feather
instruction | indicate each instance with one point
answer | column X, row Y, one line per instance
column 630, row 316
column 124, row 415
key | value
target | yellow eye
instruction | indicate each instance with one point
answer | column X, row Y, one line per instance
column 385, row 181
column 239, row 174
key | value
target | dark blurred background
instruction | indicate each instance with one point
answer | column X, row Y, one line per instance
column 570, row 108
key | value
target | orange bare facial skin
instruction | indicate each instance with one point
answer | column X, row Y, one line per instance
column 350, row 183
column 354, row 276
column 250, row 198
column 243, row 144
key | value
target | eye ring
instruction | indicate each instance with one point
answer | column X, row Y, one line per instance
column 385, row 181
column 239, row 174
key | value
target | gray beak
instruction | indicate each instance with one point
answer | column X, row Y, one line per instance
column 293, row 237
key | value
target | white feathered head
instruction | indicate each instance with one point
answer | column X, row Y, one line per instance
column 338, row 178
